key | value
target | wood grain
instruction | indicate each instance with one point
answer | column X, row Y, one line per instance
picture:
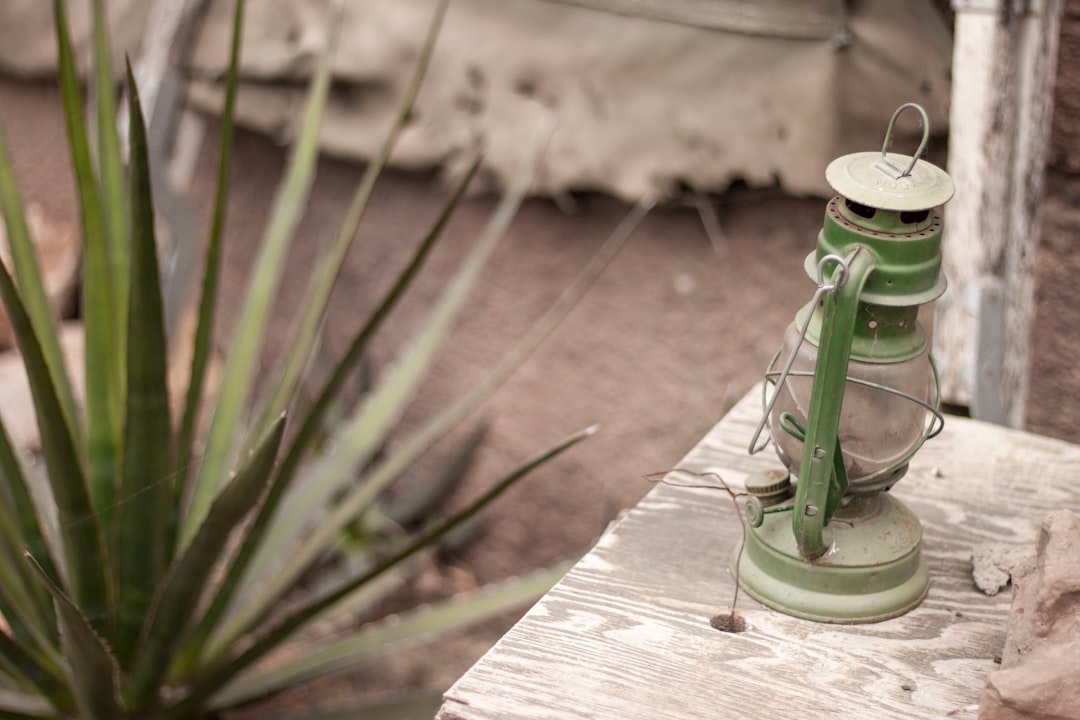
column 1004, row 65
column 626, row 634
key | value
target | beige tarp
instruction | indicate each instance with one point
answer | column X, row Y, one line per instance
column 696, row 94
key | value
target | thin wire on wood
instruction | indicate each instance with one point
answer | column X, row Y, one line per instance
column 729, row 621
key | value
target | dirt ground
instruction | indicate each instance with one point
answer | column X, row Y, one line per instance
column 670, row 337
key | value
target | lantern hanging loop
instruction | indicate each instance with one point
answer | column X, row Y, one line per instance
column 823, row 286
column 922, row 145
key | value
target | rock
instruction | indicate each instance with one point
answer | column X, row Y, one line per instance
column 994, row 564
column 1045, row 686
column 57, row 246
column 1039, row 677
column 1058, row 602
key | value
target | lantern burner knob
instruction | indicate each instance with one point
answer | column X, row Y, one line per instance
column 770, row 487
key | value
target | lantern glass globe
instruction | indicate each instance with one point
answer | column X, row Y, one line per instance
column 878, row 431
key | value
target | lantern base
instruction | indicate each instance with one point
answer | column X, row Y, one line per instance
column 874, row 570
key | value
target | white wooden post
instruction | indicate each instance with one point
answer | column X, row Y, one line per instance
column 1004, row 63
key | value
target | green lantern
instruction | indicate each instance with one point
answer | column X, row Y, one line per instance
column 856, row 397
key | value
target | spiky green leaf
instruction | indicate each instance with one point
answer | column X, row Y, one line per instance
column 26, row 611
column 390, row 635
column 95, row 676
column 19, row 705
column 255, row 311
column 222, row 669
column 310, row 426
column 19, row 503
column 413, row 507
column 414, row 446
column 98, row 302
column 317, row 296
column 51, row 686
column 87, row 570
column 111, row 167
column 360, row 434
column 354, row 503
column 204, row 328
column 188, row 576
column 146, row 488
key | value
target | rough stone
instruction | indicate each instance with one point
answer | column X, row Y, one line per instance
column 1039, row 677
column 993, row 565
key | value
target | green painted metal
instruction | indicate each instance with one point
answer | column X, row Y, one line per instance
column 868, row 567
column 909, row 264
column 830, row 378
column 882, row 334
column 873, row 571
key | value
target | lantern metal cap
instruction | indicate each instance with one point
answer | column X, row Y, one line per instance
column 877, row 180
column 892, row 181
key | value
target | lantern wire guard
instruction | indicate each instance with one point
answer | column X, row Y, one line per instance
column 856, row 397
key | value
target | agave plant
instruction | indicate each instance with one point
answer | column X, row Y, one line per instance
column 140, row 578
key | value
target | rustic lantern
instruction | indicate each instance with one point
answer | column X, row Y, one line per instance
column 854, row 400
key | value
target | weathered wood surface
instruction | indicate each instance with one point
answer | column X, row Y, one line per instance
column 1004, row 63
column 626, row 634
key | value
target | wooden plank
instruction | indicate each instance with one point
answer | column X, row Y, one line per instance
column 627, row 634
column 1004, row 64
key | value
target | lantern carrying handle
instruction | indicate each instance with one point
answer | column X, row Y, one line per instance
column 922, row 145
column 817, row 493
column 823, row 286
